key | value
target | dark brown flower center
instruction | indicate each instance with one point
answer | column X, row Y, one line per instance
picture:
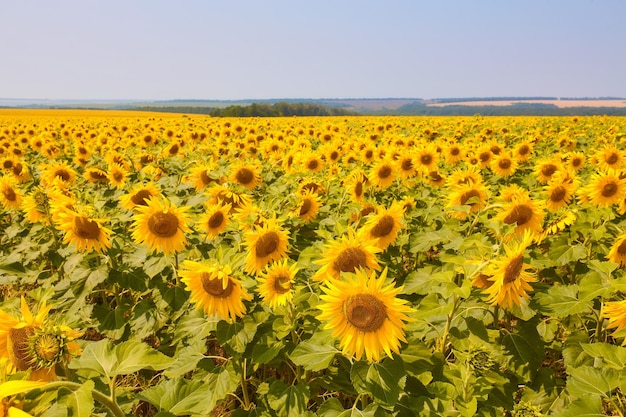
column 305, row 207
column 504, row 163
column 513, row 269
column 282, row 284
column 267, row 244
column 244, row 176
column 548, row 170
column 86, row 228
column 384, row 172
column 216, row 220
column 426, row 159
column 523, row 150
column 349, row 260
column 576, row 162
column 98, row 176
column 621, row 249
column 407, row 164
column 214, row 286
column 18, row 347
column 484, row 156
column 365, row 312
column 455, row 151
column 63, row 174
column 163, row 224
column 558, row 194
column 609, row 190
column 520, row 214
column 140, row 197
column 204, row 177
column 467, row 195
column 313, row 164
column 612, row 158
column 9, row 194
column 358, row 189
column 383, row 227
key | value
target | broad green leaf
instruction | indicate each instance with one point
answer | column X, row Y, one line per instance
column 428, row 280
column 179, row 396
column 525, row 350
column 586, row 406
column 125, row 358
column 186, row 359
column 236, row 336
column 288, row 400
column 611, row 355
column 79, row 402
column 313, row 356
column 383, row 381
column 563, row 253
column 587, row 380
column 561, row 301
column 330, row 408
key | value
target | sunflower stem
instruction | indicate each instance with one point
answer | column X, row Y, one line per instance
column 244, row 385
column 598, row 334
column 108, row 402
column 446, row 331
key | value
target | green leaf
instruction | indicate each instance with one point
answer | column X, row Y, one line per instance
column 179, row 396
column 236, row 336
column 288, row 400
column 79, row 402
column 186, row 359
column 587, row 380
column 125, row 358
column 525, row 350
column 428, row 280
column 312, row 355
column 586, row 406
column 383, row 381
column 564, row 253
column 611, row 355
column 561, row 301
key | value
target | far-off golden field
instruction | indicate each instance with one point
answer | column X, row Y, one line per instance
column 172, row 265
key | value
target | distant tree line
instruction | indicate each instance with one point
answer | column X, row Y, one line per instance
column 517, row 109
column 280, row 109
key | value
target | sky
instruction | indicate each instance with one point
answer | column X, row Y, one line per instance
column 234, row 50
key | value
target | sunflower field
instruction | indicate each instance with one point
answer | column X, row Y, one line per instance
column 170, row 265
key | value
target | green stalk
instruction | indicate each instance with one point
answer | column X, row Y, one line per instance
column 244, row 386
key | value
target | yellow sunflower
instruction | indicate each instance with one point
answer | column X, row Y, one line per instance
column 524, row 213
column 615, row 312
column 139, row 196
column 84, row 232
column 35, row 206
column 545, row 169
column 347, row 254
column 202, row 175
column 221, row 193
column 510, row 275
column 605, row 189
column 31, row 343
column 426, row 159
column 382, row 173
column 566, row 219
column 453, row 154
column 9, row 389
column 355, row 184
column 213, row 289
column 617, row 253
column 406, row 166
column 275, row 283
column 308, row 207
column 96, row 175
column 214, row 219
column 161, row 226
column 473, row 195
column 382, row 228
column 576, row 161
column 610, row 157
column 504, row 164
column 265, row 243
column 117, row 175
column 559, row 193
column 10, row 194
column 246, row 174
column 365, row 314
column 523, row 151
column 57, row 170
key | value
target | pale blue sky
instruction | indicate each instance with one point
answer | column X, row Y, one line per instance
column 228, row 50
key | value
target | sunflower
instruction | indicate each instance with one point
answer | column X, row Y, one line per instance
column 347, row 254
column 355, row 185
column 559, row 194
column 312, row 162
column 57, row 170
column 382, row 173
column 453, row 154
column 35, row 206
column 308, row 207
column 247, row 175
column 221, row 193
column 523, row 151
column 524, row 213
column 382, row 228
column 215, row 219
column 95, row 175
column 365, row 314
column 605, row 189
column 545, row 169
column 609, row 157
column 266, row 243
column 576, row 161
column 117, row 175
column 9, row 389
column 566, row 219
column 21, row 172
column 406, row 166
column 31, row 343
column 484, row 156
column 10, row 194
column 463, row 177
column 139, row 196
column 213, row 289
column 202, row 175
column 426, row 159
column 504, row 164
column 275, row 283
column 615, row 311
column 160, row 225
column 617, row 253
column 84, row 232
column 510, row 275
column 473, row 195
